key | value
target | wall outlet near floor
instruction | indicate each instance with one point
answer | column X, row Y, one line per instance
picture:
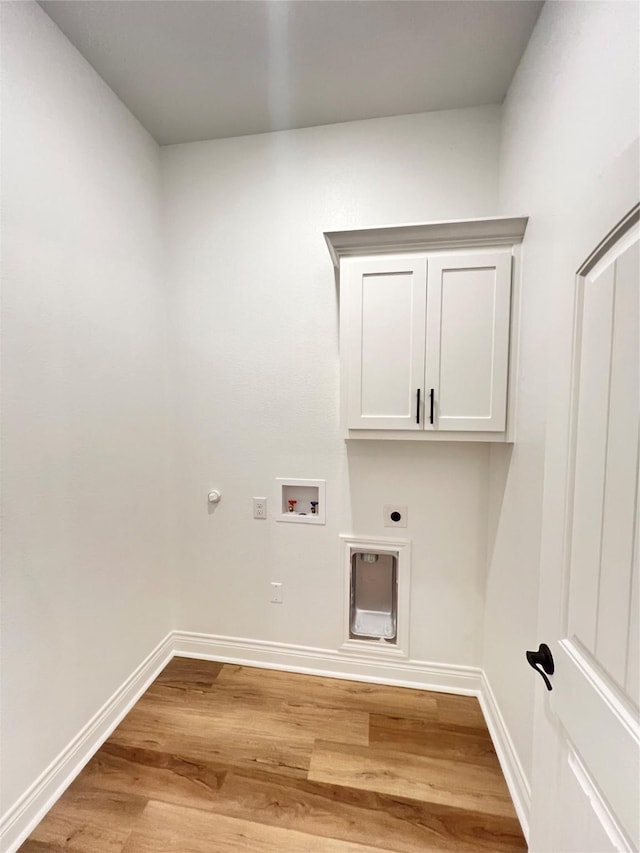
column 259, row 507
column 276, row 593
column 395, row 515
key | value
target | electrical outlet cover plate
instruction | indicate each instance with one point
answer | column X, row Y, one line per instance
column 276, row 592
column 259, row 507
column 395, row 515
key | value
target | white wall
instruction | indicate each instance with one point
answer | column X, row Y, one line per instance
column 89, row 485
column 256, row 376
column 84, row 583
column 568, row 160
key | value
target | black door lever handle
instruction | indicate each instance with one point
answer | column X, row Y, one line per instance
column 542, row 658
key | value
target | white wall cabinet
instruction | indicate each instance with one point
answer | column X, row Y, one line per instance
column 427, row 331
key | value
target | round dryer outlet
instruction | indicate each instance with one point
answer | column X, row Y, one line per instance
column 395, row 515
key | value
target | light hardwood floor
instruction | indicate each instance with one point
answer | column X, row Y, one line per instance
column 228, row 758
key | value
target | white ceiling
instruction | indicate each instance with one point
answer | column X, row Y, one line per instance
column 206, row 69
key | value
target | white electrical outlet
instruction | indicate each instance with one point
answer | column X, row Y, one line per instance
column 276, row 593
column 259, row 507
column 395, row 515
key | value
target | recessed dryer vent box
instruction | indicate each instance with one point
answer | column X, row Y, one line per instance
column 373, row 596
column 301, row 501
column 376, row 596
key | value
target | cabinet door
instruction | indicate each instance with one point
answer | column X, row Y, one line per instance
column 383, row 301
column 467, row 349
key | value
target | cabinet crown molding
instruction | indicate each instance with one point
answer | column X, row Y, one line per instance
column 426, row 236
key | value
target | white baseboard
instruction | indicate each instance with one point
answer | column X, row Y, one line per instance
column 25, row 815
column 29, row 810
column 514, row 774
column 464, row 680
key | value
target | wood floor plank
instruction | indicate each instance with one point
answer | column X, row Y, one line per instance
column 87, row 821
column 238, row 736
column 228, row 750
column 311, row 807
column 431, row 780
column 171, row 778
column 263, row 685
column 165, row 828
column 424, row 737
column 244, row 749
column 459, row 710
column 185, row 674
column 218, row 719
column 361, row 816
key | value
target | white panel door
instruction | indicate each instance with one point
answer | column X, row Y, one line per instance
column 383, row 308
column 467, row 350
column 593, row 721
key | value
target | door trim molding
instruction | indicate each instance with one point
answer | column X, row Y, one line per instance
column 617, row 232
column 607, row 821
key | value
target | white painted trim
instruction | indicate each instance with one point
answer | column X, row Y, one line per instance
column 427, row 435
column 464, row 680
column 426, row 236
column 604, row 814
column 516, row 324
column 17, row 823
column 512, row 769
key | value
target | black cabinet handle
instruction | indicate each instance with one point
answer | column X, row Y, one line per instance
column 542, row 658
column 418, row 406
column 432, row 395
